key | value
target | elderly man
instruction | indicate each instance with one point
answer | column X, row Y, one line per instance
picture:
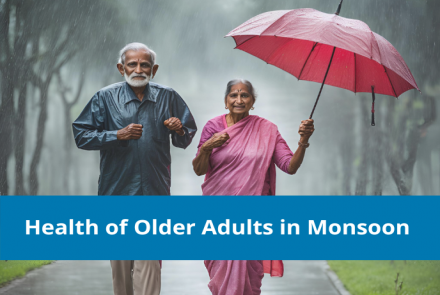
column 130, row 124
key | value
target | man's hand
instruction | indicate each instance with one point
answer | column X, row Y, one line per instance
column 215, row 141
column 174, row 124
column 306, row 129
column 132, row 131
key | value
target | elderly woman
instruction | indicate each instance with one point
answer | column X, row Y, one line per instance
column 238, row 153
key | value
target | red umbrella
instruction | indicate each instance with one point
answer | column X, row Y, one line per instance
column 326, row 48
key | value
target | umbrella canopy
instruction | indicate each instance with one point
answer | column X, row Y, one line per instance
column 326, row 48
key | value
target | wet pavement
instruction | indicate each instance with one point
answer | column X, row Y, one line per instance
column 66, row 277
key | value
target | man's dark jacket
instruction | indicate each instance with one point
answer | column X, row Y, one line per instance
column 133, row 167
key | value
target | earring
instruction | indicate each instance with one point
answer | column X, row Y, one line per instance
column 226, row 108
column 252, row 108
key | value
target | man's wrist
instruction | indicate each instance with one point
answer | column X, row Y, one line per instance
column 181, row 132
column 120, row 134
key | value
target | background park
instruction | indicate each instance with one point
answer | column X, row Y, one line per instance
column 55, row 55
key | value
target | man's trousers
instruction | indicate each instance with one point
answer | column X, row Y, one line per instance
column 136, row 277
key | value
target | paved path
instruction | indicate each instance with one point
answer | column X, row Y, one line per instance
column 178, row 278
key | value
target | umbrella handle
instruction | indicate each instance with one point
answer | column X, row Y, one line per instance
column 372, row 107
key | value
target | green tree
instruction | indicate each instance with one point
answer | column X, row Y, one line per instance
column 40, row 39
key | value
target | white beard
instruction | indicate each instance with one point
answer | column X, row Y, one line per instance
column 136, row 83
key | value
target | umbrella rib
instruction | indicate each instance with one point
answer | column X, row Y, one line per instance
column 236, row 44
column 270, row 26
column 323, row 82
column 390, row 81
column 310, row 53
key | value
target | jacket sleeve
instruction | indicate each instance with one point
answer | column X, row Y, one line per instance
column 180, row 110
column 88, row 128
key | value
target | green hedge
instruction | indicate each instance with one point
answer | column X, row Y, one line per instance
column 377, row 277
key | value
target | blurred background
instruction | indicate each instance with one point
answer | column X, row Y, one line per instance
column 54, row 55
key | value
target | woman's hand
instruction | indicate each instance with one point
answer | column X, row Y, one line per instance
column 201, row 161
column 306, row 129
column 216, row 140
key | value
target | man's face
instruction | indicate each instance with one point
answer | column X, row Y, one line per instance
column 138, row 67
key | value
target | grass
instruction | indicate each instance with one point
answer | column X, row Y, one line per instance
column 377, row 277
column 13, row 269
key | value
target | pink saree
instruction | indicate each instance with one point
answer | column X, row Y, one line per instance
column 240, row 167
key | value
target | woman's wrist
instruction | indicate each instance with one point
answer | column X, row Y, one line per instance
column 304, row 140
column 205, row 150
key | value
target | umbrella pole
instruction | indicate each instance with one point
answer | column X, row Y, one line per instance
column 323, row 82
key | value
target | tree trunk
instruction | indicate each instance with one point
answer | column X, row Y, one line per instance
column 6, row 107
column 20, row 120
column 6, row 125
column 20, row 44
column 68, row 123
column 377, row 161
column 362, row 175
column 41, row 128
column 402, row 169
column 425, row 168
column 347, row 154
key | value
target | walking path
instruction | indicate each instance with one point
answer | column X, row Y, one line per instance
column 65, row 277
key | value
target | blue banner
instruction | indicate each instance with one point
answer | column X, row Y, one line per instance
column 219, row 227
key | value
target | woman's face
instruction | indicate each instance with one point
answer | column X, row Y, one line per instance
column 239, row 99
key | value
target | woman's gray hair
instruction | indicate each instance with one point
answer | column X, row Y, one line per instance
column 242, row 81
column 136, row 47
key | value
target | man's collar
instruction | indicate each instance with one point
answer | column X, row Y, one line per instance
column 128, row 95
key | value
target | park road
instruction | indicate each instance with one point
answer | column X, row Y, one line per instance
column 183, row 277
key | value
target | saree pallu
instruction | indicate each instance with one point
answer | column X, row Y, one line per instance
column 239, row 167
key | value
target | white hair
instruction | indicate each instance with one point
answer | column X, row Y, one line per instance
column 136, row 47
column 242, row 81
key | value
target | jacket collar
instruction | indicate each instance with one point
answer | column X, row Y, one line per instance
column 128, row 94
